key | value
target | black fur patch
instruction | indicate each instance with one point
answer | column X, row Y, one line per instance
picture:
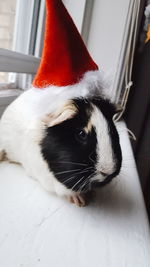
column 67, row 157
column 73, row 162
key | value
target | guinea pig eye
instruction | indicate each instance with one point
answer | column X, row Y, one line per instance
column 81, row 136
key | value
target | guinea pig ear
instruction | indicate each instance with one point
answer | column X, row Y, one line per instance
column 114, row 109
column 66, row 112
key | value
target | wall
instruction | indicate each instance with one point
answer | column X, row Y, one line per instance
column 106, row 33
column 103, row 24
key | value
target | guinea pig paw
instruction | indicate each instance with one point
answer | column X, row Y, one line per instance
column 78, row 200
column 3, row 156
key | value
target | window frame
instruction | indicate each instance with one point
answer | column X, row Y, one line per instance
column 24, row 43
column 11, row 61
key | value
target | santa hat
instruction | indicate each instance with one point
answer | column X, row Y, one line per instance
column 65, row 58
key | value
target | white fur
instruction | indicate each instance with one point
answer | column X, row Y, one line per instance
column 106, row 163
column 21, row 128
column 20, row 136
column 92, row 84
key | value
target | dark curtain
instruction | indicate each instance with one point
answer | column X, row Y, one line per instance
column 137, row 117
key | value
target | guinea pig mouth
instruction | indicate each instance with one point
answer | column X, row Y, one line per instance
column 98, row 183
column 85, row 183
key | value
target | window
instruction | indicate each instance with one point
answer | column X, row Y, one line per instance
column 25, row 44
column 22, row 44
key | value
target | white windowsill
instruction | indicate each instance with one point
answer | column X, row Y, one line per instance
column 12, row 61
column 38, row 229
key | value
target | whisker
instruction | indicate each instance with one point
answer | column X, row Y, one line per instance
column 84, row 184
column 68, row 171
column 77, row 183
column 68, row 179
column 69, row 162
column 93, row 173
column 86, row 181
column 89, row 168
column 82, row 171
column 90, row 156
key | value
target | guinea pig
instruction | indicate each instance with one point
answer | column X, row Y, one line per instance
column 70, row 150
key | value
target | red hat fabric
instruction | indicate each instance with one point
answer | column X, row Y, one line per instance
column 65, row 57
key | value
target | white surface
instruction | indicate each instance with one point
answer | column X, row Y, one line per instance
column 38, row 229
column 76, row 10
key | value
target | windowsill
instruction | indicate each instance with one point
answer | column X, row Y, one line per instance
column 10, row 92
column 114, row 224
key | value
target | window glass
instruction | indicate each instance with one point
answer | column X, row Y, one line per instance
column 7, row 79
column 3, row 77
column 7, row 20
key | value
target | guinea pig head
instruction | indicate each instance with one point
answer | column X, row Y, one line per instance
column 81, row 144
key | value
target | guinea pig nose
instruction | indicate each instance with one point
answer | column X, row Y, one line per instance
column 104, row 173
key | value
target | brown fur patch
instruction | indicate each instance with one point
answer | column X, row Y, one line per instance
column 88, row 128
column 66, row 112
